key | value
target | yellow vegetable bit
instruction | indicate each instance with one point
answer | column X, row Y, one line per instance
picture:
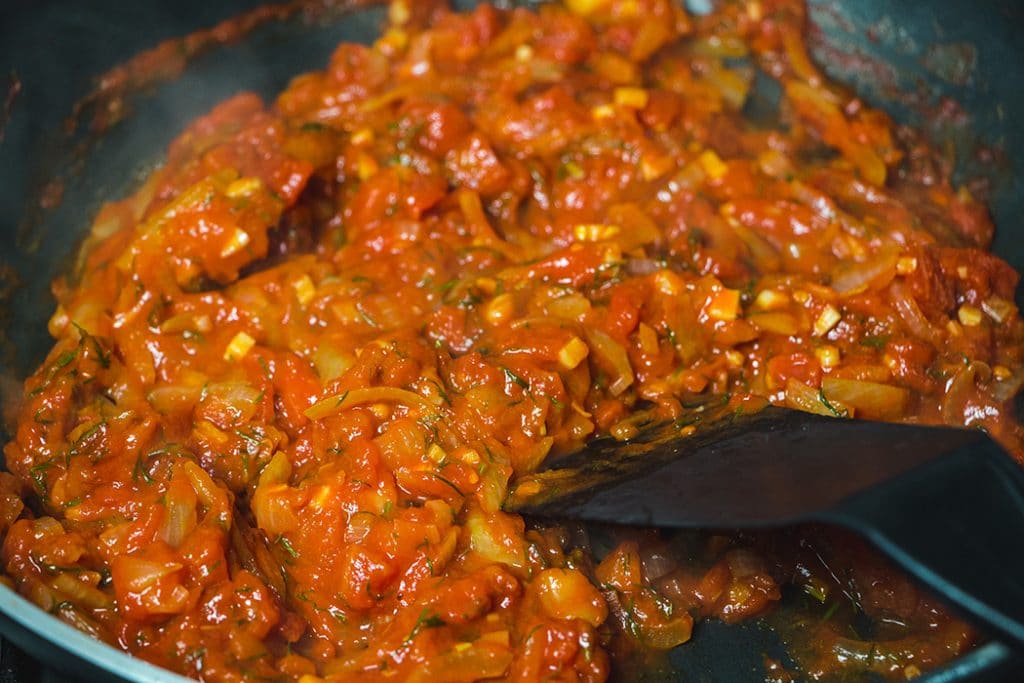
column 305, row 290
column 499, row 308
column 602, row 112
column 239, row 345
column 631, row 98
column 828, row 356
column 585, row 8
column 724, row 304
column 239, row 239
column 906, row 265
column 969, row 316
column 436, row 454
column 771, row 300
column 595, row 232
column 712, row 164
column 366, row 166
column 573, row 353
column 828, row 319
column 243, row 187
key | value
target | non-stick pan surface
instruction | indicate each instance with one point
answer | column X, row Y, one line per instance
column 953, row 66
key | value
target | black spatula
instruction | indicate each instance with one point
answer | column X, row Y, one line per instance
column 946, row 504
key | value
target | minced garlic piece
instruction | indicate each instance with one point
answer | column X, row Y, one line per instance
column 828, row 356
column 595, row 232
column 305, row 290
column 366, row 167
column 906, row 265
column 712, row 164
column 436, row 454
column 631, row 98
column 668, row 283
column 499, row 308
column 828, row 319
column 573, row 353
column 363, row 136
column 770, row 300
column 239, row 345
column 239, row 239
column 399, row 12
column 394, row 40
column 969, row 316
column 244, row 187
column 585, row 8
column 724, row 304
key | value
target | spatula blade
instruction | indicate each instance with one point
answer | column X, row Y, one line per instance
column 767, row 468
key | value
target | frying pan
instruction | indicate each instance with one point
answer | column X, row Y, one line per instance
column 954, row 67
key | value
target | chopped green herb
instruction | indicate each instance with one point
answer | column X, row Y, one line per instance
column 64, row 359
column 516, row 379
column 836, row 412
column 366, row 317
column 570, row 169
column 288, row 547
column 38, row 474
column 877, row 342
column 426, row 620
column 449, row 483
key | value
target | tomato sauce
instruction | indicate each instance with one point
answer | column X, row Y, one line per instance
column 300, row 367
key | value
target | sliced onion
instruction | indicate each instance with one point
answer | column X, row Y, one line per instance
column 733, row 84
column 496, row 537
column 173, row 601
column 638, row 228
column 67, row 612
column 359, row 526
column 80, row 592
column 484, row 659
column 335, row 404
column 960, row 389
column 731, row 47
column 331, row 362
column 213, row 497
column 870, row 400
column 277, row 471
column 180, row 513
column 764, row 255
column 136, row 575
column 531, row 459
column 657, row 563
column 799, row 396
column 775, row 164
column 743, row 563
column 1006, row 389
column 241, row 397
column 666, row 635
column 874, row 273
column 493, row 486
column 643, row 266
column 568, row 594
column 573, row 306
column 778, row 323
column 998, row 309
column 613, row 356
column 273, row 510
column 912, row 316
